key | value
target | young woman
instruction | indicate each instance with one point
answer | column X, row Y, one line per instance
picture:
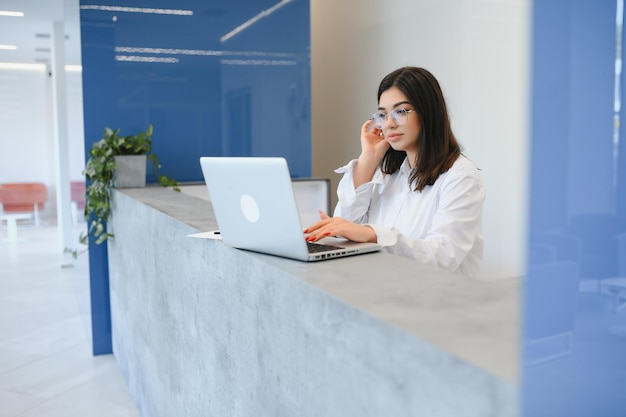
column 411, row 190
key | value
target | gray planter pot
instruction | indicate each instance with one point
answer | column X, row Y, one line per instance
column 130, row 171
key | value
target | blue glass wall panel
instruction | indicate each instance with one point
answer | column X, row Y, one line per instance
column 574, row 312
column 275, row 84
column 213, row 78
column 180, row 73
column 97, row 100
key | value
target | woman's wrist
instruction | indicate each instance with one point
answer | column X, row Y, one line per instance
column 363, row 170
column 372, row 236
column 368, row 161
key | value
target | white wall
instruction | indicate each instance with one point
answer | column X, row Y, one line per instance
column 27, row 151
column 27, row 136
column 26, row 141
column 479, row 51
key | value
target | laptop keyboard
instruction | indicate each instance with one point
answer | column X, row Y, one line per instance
column 320, row 247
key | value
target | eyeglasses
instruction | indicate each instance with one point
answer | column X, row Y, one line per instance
column 399, row 116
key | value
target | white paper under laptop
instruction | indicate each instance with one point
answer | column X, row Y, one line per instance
column 256, row 210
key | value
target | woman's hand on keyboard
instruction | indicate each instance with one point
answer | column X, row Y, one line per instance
column 337, row 226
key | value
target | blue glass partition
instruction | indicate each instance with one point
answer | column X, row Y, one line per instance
column 213, row 78
column 575, row 290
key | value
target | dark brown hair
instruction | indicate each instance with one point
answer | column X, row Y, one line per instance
column 437, row 147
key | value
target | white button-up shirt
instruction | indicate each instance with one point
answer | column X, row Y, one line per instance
column 439, row 226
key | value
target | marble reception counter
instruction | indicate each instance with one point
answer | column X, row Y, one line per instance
column 200, row 328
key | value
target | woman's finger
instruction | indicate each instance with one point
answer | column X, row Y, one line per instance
column 323, row 215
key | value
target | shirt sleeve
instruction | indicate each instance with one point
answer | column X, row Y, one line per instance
column 456, row 227
column 353, row 204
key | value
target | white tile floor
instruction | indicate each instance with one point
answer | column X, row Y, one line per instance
column 46, row 365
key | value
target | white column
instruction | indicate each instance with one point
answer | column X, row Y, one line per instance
column 59, row 105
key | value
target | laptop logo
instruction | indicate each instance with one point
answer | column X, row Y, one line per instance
column 249, row 208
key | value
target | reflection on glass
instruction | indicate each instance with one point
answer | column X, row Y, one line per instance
column 188, row 80
column 617, row 106
column 250, row 22
column 138, row 10
column 575, row 290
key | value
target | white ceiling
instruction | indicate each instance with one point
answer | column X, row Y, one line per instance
column 28, row 32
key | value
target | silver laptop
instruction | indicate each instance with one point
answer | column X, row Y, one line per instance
column 256, row 210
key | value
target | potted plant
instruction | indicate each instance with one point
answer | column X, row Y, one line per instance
column 102, row 174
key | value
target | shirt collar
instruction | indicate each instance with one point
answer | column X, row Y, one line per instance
column 405, row 168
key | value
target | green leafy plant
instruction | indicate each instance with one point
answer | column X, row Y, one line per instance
column 99, row 171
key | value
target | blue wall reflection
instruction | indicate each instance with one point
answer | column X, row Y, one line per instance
column 575, row 292
column 229, row 78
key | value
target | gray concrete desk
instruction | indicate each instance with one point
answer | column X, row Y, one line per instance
column 201, row 329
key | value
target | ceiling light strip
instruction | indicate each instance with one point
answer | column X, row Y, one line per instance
column 8, row 47
column 273, row 62
column 132, row 58
column 36, row 67
column 24, row 67
column 174, row 51
column 11, row 14
column 168, row 51
column 252, row 21
column 137, row 10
